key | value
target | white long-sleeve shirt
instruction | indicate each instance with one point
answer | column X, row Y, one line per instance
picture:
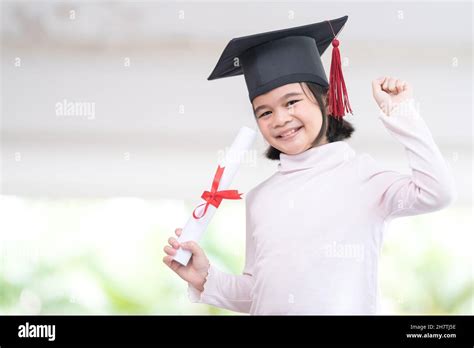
column 314, row 229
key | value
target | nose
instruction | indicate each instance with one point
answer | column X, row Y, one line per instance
column 281, row 117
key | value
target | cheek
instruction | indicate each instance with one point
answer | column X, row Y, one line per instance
column 264, row 128
column 312, row 119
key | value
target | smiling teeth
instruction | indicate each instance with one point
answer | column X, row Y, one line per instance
column 288, row 133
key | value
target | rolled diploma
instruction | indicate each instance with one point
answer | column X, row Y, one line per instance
column 194, row 228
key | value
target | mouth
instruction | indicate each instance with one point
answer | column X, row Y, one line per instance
column 289, row 134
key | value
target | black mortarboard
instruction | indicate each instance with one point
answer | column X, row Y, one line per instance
column 273, row 59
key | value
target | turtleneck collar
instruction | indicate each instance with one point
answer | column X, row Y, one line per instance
column 322, row 157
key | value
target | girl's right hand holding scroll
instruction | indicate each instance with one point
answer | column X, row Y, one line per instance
column 195, row 272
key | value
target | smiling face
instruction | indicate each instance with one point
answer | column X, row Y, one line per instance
column 289, row 118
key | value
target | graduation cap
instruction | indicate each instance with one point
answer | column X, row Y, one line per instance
column 275, row 58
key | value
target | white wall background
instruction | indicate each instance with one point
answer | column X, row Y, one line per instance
column 140, row 144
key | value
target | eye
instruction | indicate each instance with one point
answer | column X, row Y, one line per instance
column 264, row 114
column 292, row 102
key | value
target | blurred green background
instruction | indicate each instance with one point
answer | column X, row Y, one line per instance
column 94, row 256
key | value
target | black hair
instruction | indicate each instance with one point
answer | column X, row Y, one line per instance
column 336, row 128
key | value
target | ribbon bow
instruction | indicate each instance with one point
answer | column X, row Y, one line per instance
column 215, row 197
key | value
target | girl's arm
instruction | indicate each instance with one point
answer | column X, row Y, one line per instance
column 224, row 290
column 430, row 186
column 229, row 291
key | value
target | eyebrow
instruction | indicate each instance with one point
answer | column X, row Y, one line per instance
column 292, row 94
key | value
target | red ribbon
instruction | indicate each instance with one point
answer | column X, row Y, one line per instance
column 215, row 197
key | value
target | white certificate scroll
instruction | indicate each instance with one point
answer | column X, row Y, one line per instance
column 194, row 228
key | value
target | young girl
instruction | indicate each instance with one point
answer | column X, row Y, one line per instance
column 314, row 228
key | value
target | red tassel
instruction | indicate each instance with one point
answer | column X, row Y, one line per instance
column 338, row 99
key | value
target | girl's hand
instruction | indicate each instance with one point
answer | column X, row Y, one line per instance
column 195, row 272
column 389, row 92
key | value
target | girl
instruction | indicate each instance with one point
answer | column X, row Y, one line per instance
column 314, row 228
